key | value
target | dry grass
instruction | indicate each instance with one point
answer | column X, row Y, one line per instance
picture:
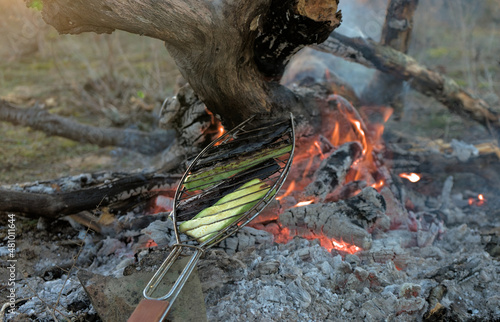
column 107, row 80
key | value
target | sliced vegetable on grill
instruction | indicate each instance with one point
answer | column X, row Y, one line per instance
column 204, row 179
column 225, row 211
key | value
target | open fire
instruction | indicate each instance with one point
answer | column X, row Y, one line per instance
column 341, row 124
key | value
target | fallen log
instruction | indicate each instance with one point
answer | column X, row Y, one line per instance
column 444, row 89
column 70, row 195
column 39, row 119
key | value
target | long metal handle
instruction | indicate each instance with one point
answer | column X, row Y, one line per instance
column 181, row 280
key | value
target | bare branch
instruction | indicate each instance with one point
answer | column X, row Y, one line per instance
column 41, row 120
column 428, row 82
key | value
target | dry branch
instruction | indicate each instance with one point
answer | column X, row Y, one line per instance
column 396, row 33
column 218, row 46
column 431, row 83
column 54, row 199
column 39, row 119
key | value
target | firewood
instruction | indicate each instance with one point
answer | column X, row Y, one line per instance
column 385, row 89
column 431, row 83
column 346, row 220
column 333, row 170
column 47, row 199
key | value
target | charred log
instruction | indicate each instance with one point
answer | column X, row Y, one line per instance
column 346, row 220
column 333, row 170
column 39, row 119
column 66, row 196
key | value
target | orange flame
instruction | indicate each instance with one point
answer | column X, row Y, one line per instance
column 303, row 203
column 288, row 190
column 215, row 122
column 412, row 177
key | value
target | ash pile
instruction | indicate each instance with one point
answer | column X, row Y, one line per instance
column 427, row 272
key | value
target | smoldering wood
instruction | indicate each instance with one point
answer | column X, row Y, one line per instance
column 213, row 44
column 39, row 119
column 347, row 220
column 333, row 169
column 432, row 164
column 307, row 22
column 70, row 195
column 428, row 82
column 385, row 89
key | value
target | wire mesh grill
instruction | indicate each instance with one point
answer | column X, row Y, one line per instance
column 232, row 180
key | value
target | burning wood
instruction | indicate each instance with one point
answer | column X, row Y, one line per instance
column 347, row 220
column 333, row 170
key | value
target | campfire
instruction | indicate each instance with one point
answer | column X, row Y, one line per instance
column 374, row 222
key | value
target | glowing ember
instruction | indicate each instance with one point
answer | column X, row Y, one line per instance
column 343, row 246
column 303, row 203
column 150, row 243
column 378, row 185
column 285, row 235
column 479, row 201
column 413, row 177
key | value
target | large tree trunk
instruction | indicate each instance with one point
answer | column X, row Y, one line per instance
column 231, row 52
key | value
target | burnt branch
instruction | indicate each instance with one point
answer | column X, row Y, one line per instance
column 67, row 196
column 39, row 119
column 212, row 43
column 428, row 82
column 333, row 170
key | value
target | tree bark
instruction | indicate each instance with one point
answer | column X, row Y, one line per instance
column 41, row 120
column 385, row 89
column 428, row 82
column 214, row 43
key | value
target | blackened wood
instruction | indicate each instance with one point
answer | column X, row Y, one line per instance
column 426, row 81
column 55, row 204
column 39, row 119
column 275, row 45
column 333, row 169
